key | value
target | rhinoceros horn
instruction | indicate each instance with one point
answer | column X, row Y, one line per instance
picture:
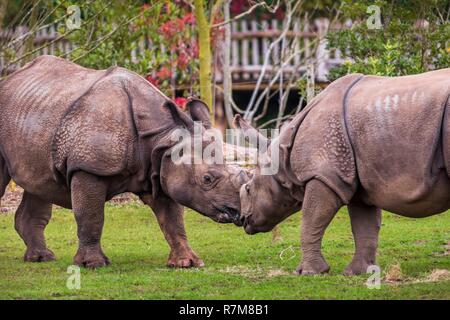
column 252, row 133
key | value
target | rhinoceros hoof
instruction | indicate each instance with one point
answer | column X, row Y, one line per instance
column 312, row 268
column 39, row 255
column 91, row 260
column 187, row 260
column 356, row 268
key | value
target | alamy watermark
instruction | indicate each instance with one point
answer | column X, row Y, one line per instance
column 374, row 280
column 287, row 253
column 74, row 279
column 374, row 20
column 73, row 20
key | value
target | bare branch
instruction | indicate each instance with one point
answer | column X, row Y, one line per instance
column 233, row 104
column 215, row 9
column 249, row 11
column 265, row 124
column 108, row 35
column 38, row 27
column 55, row 40
column 251, row 108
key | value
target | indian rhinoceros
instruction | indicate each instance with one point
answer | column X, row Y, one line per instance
column 368, row 142
column 76, row 137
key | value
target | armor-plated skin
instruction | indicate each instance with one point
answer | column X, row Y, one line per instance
column 367, row 142
column 76, row 137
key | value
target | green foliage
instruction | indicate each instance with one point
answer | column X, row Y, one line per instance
column 414, row 37
column 238, row 266
column 107, row 34
column 302, row 85
column 110, row 30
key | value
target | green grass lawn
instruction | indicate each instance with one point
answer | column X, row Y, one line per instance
column 238, row 266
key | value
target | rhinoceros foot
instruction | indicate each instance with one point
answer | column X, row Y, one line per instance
column 184, row 259
column 357, row 267
column 39, row 255
column 317, row 266
column 91, row 258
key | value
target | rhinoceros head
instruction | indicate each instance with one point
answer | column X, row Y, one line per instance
column 212, row 190
column 267, row 198
column 208, row 185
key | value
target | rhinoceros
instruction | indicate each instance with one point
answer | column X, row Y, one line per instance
column 367, row 142
column 76, row 137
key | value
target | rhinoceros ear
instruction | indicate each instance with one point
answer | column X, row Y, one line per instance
column 199, row 111
column 248, row 130
column 179, row 116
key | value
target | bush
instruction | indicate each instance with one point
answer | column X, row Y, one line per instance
column 414, row 38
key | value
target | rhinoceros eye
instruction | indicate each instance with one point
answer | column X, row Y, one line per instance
column 207, row 179
column 247, row 188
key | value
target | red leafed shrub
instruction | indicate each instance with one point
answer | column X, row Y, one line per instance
column 152, row 80
column 174, row 29
column 181, row 102
column 163, row 73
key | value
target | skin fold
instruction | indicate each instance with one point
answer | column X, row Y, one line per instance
column 367, row 142
column 76, row 137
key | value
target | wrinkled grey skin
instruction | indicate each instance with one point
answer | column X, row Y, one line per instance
column 367, row 142
column 76, row 137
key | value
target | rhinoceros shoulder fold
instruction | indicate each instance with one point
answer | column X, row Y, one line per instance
column 100, row 132
column 319, row 144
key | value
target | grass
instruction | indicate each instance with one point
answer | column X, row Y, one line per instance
column 238, row 266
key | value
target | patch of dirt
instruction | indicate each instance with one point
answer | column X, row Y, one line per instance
column 439, row 275
column 257, row 273
column 446, row 251
column 124, row 198
column 394, row 274
column 421, row 242
column 277, row 273
column 11, row 199
column 13, row 196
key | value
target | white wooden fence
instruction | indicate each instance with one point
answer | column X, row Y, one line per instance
column 251, row 41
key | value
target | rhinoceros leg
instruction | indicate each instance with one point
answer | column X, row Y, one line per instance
column 88, row 202
column 319, row 207
column 366, row 222
column 170, row 218
column 30, row 220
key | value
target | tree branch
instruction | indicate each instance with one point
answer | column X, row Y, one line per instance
column 249, row 11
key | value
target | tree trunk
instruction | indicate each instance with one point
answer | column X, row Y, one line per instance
column 204, row 39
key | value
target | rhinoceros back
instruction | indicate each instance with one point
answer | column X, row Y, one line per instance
column 395, row 126
column 33, row 101
column 57, row 117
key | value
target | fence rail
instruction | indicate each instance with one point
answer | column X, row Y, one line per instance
column 250, row 44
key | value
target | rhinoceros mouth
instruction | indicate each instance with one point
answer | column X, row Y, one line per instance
column 248, row 226
column 228, row 214
column 246, row 222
